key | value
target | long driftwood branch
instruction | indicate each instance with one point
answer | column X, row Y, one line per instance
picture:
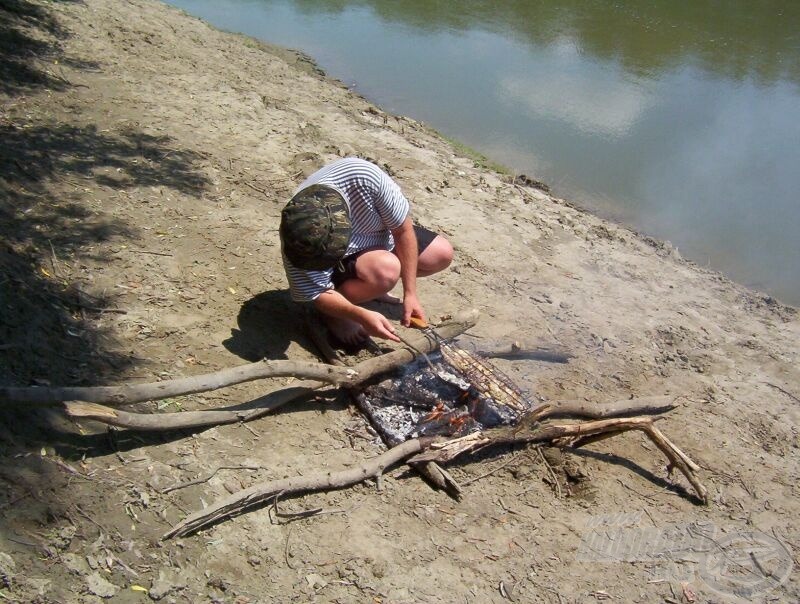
column 264, row 405
column 257, row 494
column 431, row 449
column 127, row 394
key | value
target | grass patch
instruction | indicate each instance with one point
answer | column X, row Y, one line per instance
column 479, row 160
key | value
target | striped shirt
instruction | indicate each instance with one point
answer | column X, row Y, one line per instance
column 377, row 205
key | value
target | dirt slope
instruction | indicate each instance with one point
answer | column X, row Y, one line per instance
column 145, row 158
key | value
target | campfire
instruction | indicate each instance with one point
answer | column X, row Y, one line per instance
column 452, row 392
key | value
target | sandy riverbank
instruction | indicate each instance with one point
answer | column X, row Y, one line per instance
column 145, row 160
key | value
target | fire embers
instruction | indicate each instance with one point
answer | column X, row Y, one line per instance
column 447, row 421
column 443, row 400
column 475, row 412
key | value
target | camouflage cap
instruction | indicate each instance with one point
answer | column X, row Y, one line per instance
column 315, row 228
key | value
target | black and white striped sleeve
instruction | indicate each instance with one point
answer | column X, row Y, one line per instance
column 306, row 286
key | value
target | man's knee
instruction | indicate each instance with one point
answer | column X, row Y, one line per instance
column 383, row 271
column 436, row 257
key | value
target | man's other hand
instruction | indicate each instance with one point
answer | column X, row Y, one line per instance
column 412, row 308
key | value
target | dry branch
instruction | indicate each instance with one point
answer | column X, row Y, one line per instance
column 431, row 449
column 127, row 394
column 442, row 452
column 264, row 405
column 238, row 502
column 647, row 405
column 522, row 352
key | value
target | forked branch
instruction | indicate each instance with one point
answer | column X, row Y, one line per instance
column 446, row 451
column 266, row 404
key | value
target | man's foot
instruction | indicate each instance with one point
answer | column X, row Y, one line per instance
column 346, row 331
column 389, row 299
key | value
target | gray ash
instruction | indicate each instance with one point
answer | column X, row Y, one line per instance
column 420, row 401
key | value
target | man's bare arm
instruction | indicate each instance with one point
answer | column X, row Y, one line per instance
column 405, row 242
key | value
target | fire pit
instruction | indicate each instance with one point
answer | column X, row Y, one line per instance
column 452, row 392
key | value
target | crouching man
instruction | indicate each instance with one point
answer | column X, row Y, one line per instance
column 347, row 238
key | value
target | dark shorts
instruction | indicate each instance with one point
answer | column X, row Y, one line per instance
column 346, row 269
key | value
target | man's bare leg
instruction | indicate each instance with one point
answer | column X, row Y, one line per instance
column 435, row 258
column 389, row 299
column 377, row 272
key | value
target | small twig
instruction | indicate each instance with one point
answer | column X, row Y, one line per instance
column 286, row 548
column 525, row 491
column 22, row 541
column 191, row 483
column 778, row 388
column 292, row 516
column 150, row 252
column 783, row 541
column 551, row 471
column 101, row 310
column 252, row 186
column 69, row 468
column 490, row 472
column 15, row 500
column 78, row 509
column 758, row 565
column 249, row 429
column 53, row 259
column 60, row 77
column 632, row 490
column 22, row 169
column 125, row 567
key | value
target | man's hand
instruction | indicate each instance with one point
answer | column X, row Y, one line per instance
column 412, row 308
column 351, row 323
column 378, row 326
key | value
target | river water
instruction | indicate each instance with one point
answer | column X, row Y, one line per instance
column 681, row 119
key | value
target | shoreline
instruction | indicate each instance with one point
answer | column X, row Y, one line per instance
column 145, row 163
column 608, row 208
